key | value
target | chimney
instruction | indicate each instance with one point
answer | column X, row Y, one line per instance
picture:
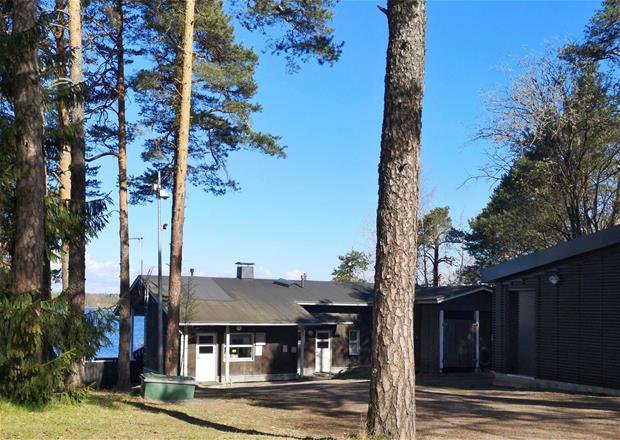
column 304, row 276
column 245, row 271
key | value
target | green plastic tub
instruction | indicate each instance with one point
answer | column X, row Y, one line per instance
column 167, row 388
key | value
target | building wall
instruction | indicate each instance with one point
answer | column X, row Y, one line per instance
column 426, row 325
column 361, row 317
column 577, row 320
column 150, row 337
column 273, row 360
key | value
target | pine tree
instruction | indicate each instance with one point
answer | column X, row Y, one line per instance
column 223, row 88
column 178, row 205
column 352, row 267
column 77, row 245
column 391, row 410
column 26, row 94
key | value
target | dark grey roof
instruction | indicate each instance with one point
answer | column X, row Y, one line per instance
column 578, row 246
column 260, row 301
column 437, row 295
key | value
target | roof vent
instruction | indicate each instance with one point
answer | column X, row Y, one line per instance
column 245, row 271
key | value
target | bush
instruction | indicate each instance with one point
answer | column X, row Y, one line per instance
column 40, row 340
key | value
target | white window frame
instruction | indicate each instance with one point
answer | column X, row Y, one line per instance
column 357, row 341
column 250, row 346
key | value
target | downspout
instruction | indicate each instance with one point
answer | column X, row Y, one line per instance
column 477, row 324
column 302, row 351
column 227, row 356
column 441, row 341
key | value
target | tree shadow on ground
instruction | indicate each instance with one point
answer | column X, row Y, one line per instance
column 315, row 397
column 213, row 425
column 460, row 405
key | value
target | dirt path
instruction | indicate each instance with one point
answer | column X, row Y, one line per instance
column 453, row 408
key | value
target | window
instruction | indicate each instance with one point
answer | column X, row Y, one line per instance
column 205, row 339
column 354, row 342
column 240, row 348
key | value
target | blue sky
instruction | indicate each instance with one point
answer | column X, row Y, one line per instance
column 297, row 214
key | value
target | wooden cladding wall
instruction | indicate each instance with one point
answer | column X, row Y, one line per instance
column 273, row 359
column 426, row 322
column 577, row 320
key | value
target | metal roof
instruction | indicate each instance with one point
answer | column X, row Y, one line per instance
column 242, row 301
column 572, row 248
column 438, row 295
column 230, row 301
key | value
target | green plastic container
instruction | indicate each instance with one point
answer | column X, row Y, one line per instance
column 167, row 388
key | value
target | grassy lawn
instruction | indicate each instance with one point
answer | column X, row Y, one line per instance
column 106, row 415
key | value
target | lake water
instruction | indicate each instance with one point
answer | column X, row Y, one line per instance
column 111, row 351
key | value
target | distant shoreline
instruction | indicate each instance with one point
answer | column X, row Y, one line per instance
column 99, row 300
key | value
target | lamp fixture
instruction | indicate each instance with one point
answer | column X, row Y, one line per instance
column 554, row 279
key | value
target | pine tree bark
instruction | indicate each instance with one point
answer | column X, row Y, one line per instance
column 616, row 210
column 28, row 260
column 77, row 245
column 124, row 348
column 391, row 411
column 435, row 264
column 64, row 161
column 178, row 201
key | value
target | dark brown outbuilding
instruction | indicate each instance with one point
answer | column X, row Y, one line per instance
column 557, row 313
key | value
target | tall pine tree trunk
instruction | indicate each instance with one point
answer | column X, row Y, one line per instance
column 64, row 161
column 77, row 246
column 391, row 411
column 178, row 202
column 28, row 261
column 435, row 265
column 124, row 348
column 616, row 210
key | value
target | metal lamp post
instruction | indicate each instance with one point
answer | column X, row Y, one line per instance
column 160, row 193
column 141, row 259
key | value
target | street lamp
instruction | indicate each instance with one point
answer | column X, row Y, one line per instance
column 160, row 193
column 141, row 259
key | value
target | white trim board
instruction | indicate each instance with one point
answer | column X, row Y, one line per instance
column 311, row 303
column 443, row 299
column 264, row 324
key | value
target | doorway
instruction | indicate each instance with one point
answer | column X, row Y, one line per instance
column 323, row 353
column 526, row 339
column 206, row 357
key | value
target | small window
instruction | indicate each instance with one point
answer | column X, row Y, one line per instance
column 205, row 339
column 322, row 335
column 241, row 339
column 354, row 342
column 205, row 349
column 240, row 348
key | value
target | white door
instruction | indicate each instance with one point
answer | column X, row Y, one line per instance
column 206, row 357
column 323, row 357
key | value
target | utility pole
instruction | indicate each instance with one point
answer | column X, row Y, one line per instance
column 160, row 194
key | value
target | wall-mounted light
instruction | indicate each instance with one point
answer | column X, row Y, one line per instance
column 554, row 279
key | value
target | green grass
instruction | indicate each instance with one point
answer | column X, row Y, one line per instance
column 106, row 415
